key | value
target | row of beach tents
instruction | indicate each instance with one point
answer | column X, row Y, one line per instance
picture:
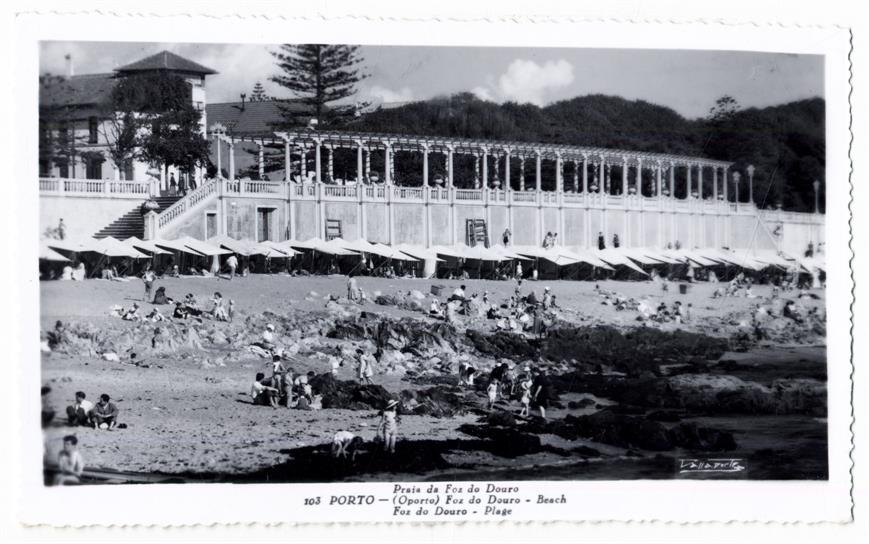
column 609, row 259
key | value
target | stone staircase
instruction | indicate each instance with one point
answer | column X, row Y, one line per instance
column 132, row 223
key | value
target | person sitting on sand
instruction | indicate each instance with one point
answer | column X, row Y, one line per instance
column 154, row 316
column 132, row 314
column 458, row 294
column 70, row 464
column 105, row 414
column 388, row 427
column 180, row 311
column 345, row 443
column 79, row 413
column 218, row 311
column 261, row 394
column 160, row 296
column 435, row 309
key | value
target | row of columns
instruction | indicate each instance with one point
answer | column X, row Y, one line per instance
column 596, row 179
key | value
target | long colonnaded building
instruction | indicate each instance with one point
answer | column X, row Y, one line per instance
column 459, row 191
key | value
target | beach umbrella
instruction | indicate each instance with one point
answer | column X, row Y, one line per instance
column 112, row 247
column 419, row 252
column 48, row 254
column 283, row 250
column 236, row 246
column 395, row 254
column 73, row 246
column 177, row 245
column 616, row 258
column 145, row 245
column 585, row 256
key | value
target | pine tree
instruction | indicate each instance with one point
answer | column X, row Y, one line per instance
column 320, row 76
column 259, row 93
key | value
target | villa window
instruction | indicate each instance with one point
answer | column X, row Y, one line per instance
column 93, row 130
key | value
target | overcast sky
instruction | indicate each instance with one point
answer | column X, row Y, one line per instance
column 687, row 81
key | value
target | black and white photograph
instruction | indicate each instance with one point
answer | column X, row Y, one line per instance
column 309, row 270
column 327, row 263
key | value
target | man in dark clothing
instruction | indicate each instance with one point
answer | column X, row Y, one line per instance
column 615, row 240
column 601, row 242
column 541, row 392
column 104, row 413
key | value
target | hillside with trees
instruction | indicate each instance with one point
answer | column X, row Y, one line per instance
column 785, row 143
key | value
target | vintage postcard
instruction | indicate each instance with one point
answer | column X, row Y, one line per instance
column 326, row 270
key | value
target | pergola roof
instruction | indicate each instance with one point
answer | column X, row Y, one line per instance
column 400, row 142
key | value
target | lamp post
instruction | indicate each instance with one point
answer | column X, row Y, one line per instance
column 736, row 177
column 750, row 170
column 816, row 185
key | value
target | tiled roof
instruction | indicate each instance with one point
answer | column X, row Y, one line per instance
column 256, row 118
column 77, row 91
column 166, row 61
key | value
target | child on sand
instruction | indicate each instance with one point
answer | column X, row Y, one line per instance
column 69, row 462
column 344, row 443
column 525, row 387
column 492, row 393
column 388, row 428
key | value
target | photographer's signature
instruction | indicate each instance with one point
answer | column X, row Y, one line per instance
column 711, row 465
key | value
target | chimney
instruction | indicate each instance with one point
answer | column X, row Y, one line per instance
column 243, row 96
column 70, row 70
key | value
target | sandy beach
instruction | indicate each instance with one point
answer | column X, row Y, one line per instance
column 188, row 413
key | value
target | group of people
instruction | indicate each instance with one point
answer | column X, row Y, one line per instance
column 100, row 415
column 531, row 388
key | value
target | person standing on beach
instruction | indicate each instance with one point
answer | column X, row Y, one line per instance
column 232, row 264
column 148, row 277
column 388, row 427
column 541, row 392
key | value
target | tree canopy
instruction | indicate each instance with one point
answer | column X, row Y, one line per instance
column 322, row 76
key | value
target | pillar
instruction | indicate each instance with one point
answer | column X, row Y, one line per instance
column 387, row 167
column 318, row 167
column 575, row 176
column 303, row 161
column 392, row 166
column 288, row 162
column 690, row 184
column 700, row 181
column 261, row 165
column 639, row 180
column 672, row 171
column 485, row 169
column 658, row 180
column 367, row 175
column 724, row 182
column 585, row 174
column 715, row 183
column 559, row 174
column 360, row 165
column 497, row 165
column 425, row 166
column 450, row 180
column 330, row 171
column 537, row 172
column 231, row 160
column 218, row 141
column 506, row 184
column 476, row 171
column 522, row 173
column 625, row 185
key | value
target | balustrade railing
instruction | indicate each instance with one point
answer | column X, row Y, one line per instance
column 262, row 187
column 469, row 194
column 524, row 196
column 187, row 202
column 408, row 193
column 95, row 187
